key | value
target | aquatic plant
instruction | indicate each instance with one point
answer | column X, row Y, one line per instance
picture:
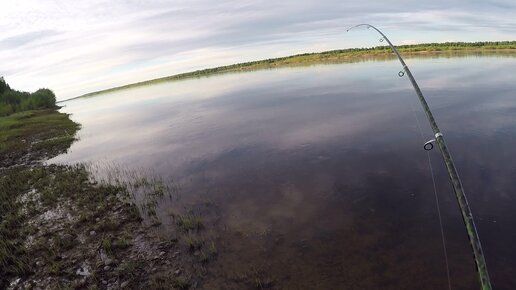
column 188, row 222
column 193, row 241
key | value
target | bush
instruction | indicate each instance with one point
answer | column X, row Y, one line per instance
column 43, row 98
column 12, row 101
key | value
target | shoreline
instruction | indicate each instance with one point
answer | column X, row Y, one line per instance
column 331, row 56
column 62, row 229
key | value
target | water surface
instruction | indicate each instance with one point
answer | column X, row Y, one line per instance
column 315, row 177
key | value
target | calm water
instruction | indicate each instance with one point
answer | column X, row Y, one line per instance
column 315, row 177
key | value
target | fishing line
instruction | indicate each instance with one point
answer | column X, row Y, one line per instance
column 460, row 195
column 443, row 238
column 440, row 222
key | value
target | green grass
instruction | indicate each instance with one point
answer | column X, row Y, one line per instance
column 188, row 222
column 57, row 142
column 13, row 257
column 103, row 207
column 340, row 55
column 56, row 186
column 43, row 133
column 180, row 283
column 54, row 183
column 111, row 244
column 193, row 242
column 208, row 254
column 165, row 280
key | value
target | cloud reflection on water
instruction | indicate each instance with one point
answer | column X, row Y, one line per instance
column 322, row 166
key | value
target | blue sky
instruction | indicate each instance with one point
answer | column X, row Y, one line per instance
column 75, row 47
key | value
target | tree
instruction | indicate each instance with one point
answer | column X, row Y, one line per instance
column 43, row 98
column 12, row 101
column 4, row 86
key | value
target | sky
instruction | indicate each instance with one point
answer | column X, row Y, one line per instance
column 76, row 47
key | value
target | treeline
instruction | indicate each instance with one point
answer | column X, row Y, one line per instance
column 12, row 101
column 326, row 56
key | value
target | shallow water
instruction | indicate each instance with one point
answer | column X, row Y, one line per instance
column 315, row 177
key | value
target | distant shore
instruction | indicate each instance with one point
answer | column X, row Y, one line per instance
column 341, row 55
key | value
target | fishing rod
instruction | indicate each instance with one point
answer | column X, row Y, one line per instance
column 467, row 216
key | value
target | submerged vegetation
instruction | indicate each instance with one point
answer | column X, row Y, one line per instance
column 45, row 209
column 188, row 222
column 326, row 56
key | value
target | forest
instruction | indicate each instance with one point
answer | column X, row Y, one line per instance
column 12, row 101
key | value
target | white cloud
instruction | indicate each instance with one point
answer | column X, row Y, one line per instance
column 81, row 46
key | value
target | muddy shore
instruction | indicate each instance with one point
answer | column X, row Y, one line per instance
column 61, row 229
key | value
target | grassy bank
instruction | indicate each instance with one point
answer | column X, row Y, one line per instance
column 61, row 229
column 26, row 138
column 44, row 210
column 31, row 135
column 323, row 57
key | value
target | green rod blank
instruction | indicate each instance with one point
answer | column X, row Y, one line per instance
column 467, row 216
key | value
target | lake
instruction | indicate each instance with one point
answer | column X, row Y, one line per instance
column 315, row 177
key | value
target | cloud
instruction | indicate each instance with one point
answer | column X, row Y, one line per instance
column 23, row 39
column 81, row 46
